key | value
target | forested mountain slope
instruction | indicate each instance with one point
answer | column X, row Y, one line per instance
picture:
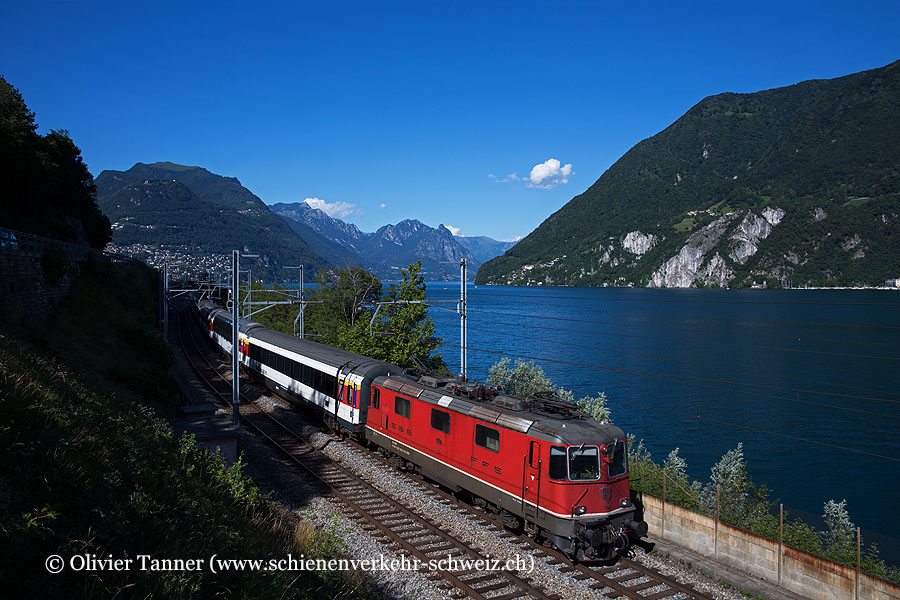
column 796, row 184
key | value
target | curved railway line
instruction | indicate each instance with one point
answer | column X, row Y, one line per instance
column 383, row 517
column 415, row 537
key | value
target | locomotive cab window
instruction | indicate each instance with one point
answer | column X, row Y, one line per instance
column 615, row 455
column 401, row 407
column 557, row 468
column 487, row 437
column 584, row 463
column 440, row 420
column 376, row 398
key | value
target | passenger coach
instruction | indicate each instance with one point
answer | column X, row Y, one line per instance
column 333, row 381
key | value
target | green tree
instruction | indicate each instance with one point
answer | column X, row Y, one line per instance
column 525, row 378
column 411, row 338
column 345, row 298
column 402, row 333
column 47, row 188
column 741, row 502
column 729, row 478
column 596, row 407
column 840, row 537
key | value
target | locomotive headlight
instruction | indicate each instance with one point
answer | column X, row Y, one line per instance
column 626, row 502
column 580, row 510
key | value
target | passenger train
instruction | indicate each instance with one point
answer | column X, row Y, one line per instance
column 538, row 463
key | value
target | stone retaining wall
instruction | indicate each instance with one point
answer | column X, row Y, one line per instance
column 799, row 572
column 27, row 293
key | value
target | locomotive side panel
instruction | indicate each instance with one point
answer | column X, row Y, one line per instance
column 576, row 494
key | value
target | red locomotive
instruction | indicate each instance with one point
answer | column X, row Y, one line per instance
column 538, row 463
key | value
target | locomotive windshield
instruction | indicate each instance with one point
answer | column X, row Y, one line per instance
column 584, row 463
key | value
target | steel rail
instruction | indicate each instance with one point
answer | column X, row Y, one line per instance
column 403, row 527
column 598, row 573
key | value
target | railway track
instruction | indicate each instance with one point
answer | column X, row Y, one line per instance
column 628, row 578
column 469, row 572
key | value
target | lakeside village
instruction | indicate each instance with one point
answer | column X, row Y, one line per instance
column 183, row 262
column 187, row 264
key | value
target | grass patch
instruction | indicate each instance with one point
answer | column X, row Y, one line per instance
column 686, row 224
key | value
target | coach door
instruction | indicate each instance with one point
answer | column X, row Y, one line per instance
column 531, row 479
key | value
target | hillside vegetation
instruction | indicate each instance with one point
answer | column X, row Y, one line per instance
column 89, row 468
column 823, row 152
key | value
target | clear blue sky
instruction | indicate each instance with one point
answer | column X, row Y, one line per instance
column 412, row 109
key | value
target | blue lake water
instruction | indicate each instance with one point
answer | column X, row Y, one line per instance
column 807, row 380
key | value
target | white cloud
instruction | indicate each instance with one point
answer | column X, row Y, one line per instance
column 453, row 230
column 515, row 239
column 334, row 209
column 549, row 174
column 382, row 206
column 508, row 178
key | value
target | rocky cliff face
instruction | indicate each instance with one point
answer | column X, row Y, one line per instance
column 638, row 243
column 346, row 234
column 392, row 247
column 682, row 269
column 751, row 230
column 396, row 246
column 693, row 266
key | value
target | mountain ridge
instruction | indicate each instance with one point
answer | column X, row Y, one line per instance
column 393, row 246
column 165, row 203
column 168, row 204
column 742, row 154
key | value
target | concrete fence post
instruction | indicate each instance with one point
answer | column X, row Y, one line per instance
column 780, row 541
column 858, row 548
column 664, row 507
column 716, row 543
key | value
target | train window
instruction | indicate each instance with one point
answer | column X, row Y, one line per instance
column 307, row 377
column 223, row 328
column 295, row 370
column 330, row 385
column 319, row 377
column 557, row 469
column 584, row 463
column 487, row 438
column 376, row 398
column 402, row 406
column 616, row 455
column 440, row 420
column 279, row 363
